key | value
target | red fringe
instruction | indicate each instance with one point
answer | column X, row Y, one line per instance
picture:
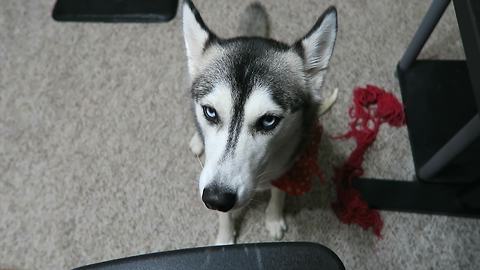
column 371, row 108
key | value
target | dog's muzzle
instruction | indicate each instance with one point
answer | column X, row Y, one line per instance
column 218, row 199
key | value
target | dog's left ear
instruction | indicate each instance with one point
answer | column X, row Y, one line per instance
column 317, row 48
column 196, row 35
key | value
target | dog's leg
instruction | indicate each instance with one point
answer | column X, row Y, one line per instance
column 275, row 221
column 196, row 144
column 226, row 230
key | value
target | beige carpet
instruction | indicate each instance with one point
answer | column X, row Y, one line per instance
column 95, row 120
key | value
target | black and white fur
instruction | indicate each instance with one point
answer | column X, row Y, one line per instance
column 254, row 100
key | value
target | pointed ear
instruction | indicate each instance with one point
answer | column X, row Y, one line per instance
column 317, row 48
column 196, row 35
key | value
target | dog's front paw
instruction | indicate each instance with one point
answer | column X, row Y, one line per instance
column 225, row 239
column 276, row 227
column 196, row 144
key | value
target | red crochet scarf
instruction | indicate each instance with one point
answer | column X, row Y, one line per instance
column 371, row 108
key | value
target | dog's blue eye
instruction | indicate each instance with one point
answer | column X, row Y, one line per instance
column 210, row 113
column 268, row 122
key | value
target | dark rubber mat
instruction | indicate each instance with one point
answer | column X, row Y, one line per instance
column 115, row 10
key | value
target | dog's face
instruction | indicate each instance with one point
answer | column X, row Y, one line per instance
column 253, row 99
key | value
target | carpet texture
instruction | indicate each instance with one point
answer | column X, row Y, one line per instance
column 95, row 124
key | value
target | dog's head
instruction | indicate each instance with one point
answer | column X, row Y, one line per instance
column 253, row 100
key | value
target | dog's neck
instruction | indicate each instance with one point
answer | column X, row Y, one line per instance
column 309, row 121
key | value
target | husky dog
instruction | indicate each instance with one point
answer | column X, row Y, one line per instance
column 254, row 101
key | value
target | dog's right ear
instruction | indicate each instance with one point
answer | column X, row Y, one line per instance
column 196, row 35
column 317, row 48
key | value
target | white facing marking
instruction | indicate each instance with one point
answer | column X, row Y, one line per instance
column 215, row 136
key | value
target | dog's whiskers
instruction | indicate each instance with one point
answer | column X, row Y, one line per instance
column 265, row 173
column 263, row 181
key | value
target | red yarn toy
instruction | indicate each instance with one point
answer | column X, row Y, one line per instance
column 371, row 108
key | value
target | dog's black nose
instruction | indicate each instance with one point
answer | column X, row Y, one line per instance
column 218, row 199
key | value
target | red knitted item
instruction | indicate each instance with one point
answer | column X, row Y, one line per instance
column 372, row 107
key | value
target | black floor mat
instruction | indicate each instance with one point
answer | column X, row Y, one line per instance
column 115, row 10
